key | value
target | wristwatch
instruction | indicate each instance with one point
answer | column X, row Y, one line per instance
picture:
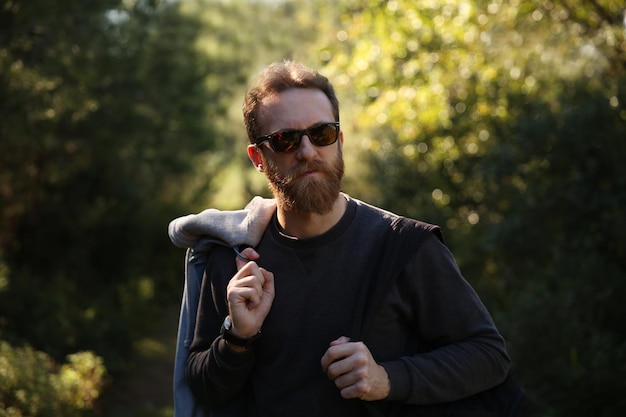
column 227, row 335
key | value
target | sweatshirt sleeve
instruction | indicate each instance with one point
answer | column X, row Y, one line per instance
column 461, row 352
column 215, row 373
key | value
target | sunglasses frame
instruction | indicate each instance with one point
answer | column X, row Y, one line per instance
column 301, row 132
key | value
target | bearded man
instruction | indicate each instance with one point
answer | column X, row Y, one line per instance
column 339, row 308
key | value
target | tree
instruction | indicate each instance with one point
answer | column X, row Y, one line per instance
column 255, row 33
column 115, row 117
column 103, row 107
column 503, row 121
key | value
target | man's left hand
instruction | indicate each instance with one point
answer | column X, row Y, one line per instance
column 355, row 372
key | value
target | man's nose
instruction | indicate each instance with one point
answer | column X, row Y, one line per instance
column 306, row 150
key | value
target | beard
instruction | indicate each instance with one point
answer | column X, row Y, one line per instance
column 295, row 192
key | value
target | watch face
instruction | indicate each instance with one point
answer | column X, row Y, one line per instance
column 236, row 340
column 227, row 323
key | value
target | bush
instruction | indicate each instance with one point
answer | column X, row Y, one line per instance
column 33, row 385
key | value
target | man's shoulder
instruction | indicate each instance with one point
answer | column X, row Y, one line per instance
column 401, row 225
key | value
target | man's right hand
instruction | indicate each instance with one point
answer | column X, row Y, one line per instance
column 250, row 295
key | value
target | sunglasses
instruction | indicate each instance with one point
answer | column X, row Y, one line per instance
column 323, row 134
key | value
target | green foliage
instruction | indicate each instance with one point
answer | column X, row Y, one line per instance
column 251, row 34
column 32, row 385
column 504, row 122
column 102, row 109
column 115, row 117
column 564, row 251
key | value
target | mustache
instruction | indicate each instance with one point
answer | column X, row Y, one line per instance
column 308, row 167
column 298, row 171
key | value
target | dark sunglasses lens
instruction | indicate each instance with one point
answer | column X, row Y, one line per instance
column 286, row 141
column 323, row 135
column 289, row 140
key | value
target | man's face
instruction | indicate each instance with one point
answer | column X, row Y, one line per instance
column 300, row 191
column 308, row 179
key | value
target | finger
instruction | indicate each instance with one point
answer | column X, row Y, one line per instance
column 340, row 341
column 338, row 368
column 339, row 349
column 369, row 385
column 252, row 281
column 346, row 380
column 245, row 256
column 268, row 281
column 325, row 362
column 267, row 289
column 355, row 390
column 246, row 276
column 250, row 295
column 244, row 291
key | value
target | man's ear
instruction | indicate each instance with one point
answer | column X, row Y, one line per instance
column 254, row 153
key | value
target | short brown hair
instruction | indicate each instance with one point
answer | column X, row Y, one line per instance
column 275, row 79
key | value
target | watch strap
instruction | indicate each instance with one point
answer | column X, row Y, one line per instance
column 244, row 342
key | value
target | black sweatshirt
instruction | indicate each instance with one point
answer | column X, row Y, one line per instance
column 375, row 277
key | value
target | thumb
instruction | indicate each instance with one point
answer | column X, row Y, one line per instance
column 245, row 256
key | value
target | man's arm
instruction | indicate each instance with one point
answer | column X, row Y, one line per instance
column 218, row 374
column 217, row 371
column 467, row 354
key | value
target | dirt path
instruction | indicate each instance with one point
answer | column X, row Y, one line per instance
column 147, row 391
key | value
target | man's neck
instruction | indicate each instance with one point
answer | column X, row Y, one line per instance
column 302, row 225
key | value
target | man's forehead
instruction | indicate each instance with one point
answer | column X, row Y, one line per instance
column 294, row 108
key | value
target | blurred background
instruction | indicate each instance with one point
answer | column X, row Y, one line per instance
column 502, row 121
